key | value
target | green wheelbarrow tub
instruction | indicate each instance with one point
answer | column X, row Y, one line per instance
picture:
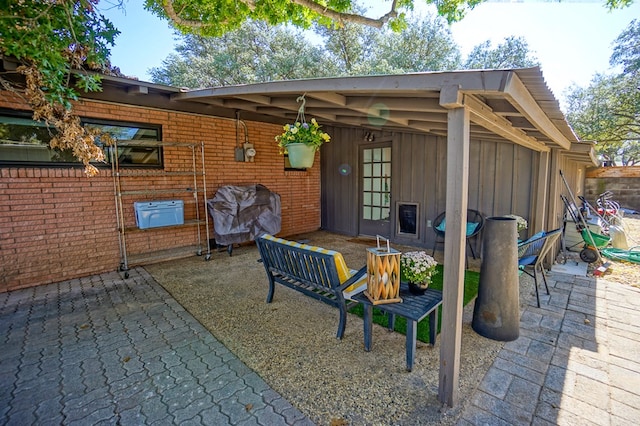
column 599, row 240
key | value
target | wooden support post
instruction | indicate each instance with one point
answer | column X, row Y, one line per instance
column 539, row 210
column 555, row 207
column 454, row 251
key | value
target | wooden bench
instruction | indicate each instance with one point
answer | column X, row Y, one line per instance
column 314, row 271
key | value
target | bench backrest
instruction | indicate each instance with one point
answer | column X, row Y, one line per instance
column 313, row 266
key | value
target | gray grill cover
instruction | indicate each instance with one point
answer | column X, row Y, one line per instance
column 241, row 213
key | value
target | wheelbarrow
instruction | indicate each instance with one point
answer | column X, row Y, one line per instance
column 592, row 243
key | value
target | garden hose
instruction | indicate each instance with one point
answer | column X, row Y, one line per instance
column 631, row 255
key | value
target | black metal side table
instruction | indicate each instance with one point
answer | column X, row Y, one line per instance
column 414, row 308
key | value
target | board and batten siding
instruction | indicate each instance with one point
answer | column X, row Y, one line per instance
column 502, row 180
column 339, row 195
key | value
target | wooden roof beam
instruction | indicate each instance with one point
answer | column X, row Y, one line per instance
column 258, row 99
column 420, row 116
column 405, row 104
column 484, row 116
column 329, row 97
column 241, row 105
column 503, row 107
column 517, row 91
column 427, row 126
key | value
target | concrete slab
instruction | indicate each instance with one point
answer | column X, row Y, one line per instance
column 577, row 268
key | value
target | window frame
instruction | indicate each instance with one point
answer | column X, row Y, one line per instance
column 77, row 164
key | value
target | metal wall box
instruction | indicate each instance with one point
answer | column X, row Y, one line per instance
column 155, row 214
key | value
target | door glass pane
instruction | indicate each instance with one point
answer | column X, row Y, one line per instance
column 386, row 154
column 386, row 169
column 366, row 213
column 366, row 184
column 376, row 184
column 375, row 213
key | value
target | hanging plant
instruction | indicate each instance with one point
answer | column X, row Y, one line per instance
column 300, row 131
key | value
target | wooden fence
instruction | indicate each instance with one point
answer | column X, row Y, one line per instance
column 623, row 182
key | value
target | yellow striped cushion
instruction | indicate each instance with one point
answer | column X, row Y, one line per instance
column 344, row 273
column 357, row 287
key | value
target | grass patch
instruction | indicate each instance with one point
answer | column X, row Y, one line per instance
column 471, row 280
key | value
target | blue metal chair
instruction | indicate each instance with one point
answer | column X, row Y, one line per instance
column 475, row 223
column 532, row 251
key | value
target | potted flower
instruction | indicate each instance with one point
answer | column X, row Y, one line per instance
column 417, row 268
column 301, row 140
column 521, row 223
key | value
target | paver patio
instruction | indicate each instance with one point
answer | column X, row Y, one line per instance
column 103, row 350
column 576, row 361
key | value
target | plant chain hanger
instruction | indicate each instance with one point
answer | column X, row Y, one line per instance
column 300, row 118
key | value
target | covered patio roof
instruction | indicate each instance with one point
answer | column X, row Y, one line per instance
column 512, row 105
column 505, row 106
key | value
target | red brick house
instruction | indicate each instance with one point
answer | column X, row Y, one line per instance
column 58, row 224
column 490, row 140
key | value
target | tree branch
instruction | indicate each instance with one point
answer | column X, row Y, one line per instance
column 332, row 14
column 341, row 16
column 167, row 5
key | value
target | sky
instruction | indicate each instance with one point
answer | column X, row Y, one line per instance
column 572, row 40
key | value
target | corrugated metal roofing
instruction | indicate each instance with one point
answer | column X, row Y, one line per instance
column 509, row 105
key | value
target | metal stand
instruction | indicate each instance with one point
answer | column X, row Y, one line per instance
column 120, row 175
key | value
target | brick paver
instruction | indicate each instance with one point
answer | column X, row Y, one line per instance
column 104, row 350
column 576, row 362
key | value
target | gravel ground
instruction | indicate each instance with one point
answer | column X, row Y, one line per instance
column 626, row 272
column 291, row 342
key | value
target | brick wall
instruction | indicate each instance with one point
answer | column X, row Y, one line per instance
column 57, row 224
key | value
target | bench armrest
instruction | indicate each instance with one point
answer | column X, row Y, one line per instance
column 354, row 278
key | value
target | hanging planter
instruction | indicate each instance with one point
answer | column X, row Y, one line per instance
column 301, row 139
column 301, row 156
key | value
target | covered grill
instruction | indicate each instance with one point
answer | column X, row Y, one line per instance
column 241, row 213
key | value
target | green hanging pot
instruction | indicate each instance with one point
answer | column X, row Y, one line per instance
column 301, row 156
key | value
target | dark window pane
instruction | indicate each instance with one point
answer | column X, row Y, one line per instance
column 24, row 141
